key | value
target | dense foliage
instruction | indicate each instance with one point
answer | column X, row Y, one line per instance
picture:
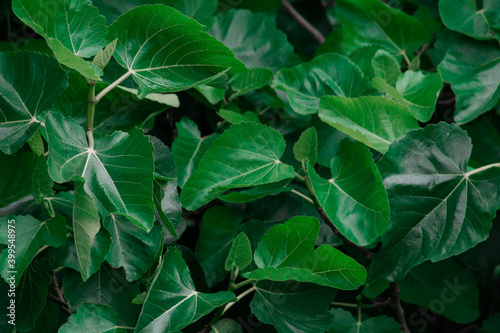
column 247, row 165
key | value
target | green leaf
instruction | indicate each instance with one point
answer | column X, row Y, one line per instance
column 446, row 288
column 106, row 287
column 233, row 161
column 491, row 324
column 254, row 39
column 344, row 322
column 174, row 56
column 375, row 121
column 480, row 22
column 472, row 69
column 485, row 142
column 415, row 90
column 30, row 86
column 257, row 192
column 15, row 168
column 253, row 79
column 73, row 30
column 127, row 239
column 211, row 94
column 104, row 56
column 218, row 229
column 374, row 22
column 188, row 149
column 42, row 183
column 292, row 306
column 438, row 209
column 240, row 255
column 327, row 74
column 32, row 294
column 118, row 171
column 386, row 66
column 172, row 302
column 200, row 10
column 360, row 208
column 86, row 227
column 306, row 148
column 30, row 235
column 227, row 325
column 95, row 318
column 36, row 144
column 286, row 252
column 238, row 118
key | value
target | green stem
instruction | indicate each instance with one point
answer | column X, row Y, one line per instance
column 302, row 196
column 112, row 86
column 299, row 177
column 70, row 229
column 345, row 305
column 481, row 169
column 239, row 298
column 242, row 284
column 126, row 327
column 90, row 114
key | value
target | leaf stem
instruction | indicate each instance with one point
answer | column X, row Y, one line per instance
column 405, row 57
column 302, row 196
column 239, row 298
column 400, row 317
column 481, row 169
column 303, row 22
column 126, row 327
column 112, row 86
column 299, row 177
column 91, row 102
column 242, row 283
column 345, row 305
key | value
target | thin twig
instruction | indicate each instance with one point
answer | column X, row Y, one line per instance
column 303, row 22
column 63, row 305
column 422, row 50
column 56, row 300
column 302, row 196
column 396, row 305
column 112, row 86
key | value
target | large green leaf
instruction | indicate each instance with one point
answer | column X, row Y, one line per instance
column 118, row 171
column 240, row 255
column 472, row 69
column 386, row 66
column 29, row 84
column 327, row 74
column 106, row 287
column 374, row 22
column 254, row 39
column 477, row 20
column 375, row 121
column 73, row 30
column 166, row 51
column 246, row 154
column 172, row 302
column 15, row 168
column 200, row 10
column 344, row 322
column 359, row 209
column 188, row 148
column 127, row 239
column 218, row 229
column 31, row 294
column 417, row 91
column 292, row 306
column 30, row 235
column 91, row 246
column 286, row 252
column 438, row 209
column 42, row 183
column 95, row 318
column 446, row 288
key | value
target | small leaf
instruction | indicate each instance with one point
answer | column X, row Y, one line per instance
column 175, row 56
column 253, row 79
column 286, row 252
column 31, row 234
column 212, row 95
column 94, row 318
column 73, row 30
column 438, row 208
column 172, row 302
column 344, row 322
column 218, row 229
column 254, row 39
column 292, row 306
column 327, row 74
column 188, row 148
column 374, row 121
column 36, row 144
column 306, row 149
column 42, row 183
column 30, row 86
column 386, row 66
column 227, row 325
column 240, row 255
column 360, row 208
column 233, row 161
column 102, row 58
column 238, row 118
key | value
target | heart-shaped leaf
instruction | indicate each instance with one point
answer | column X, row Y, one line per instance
column 375, row 121
column 306, row 148
column 386, row 66
column 95, row 318
column 30, row 86
column 172, row 302
column 234, row 161
column 165, row 51
column 240, row 255
column 438, row 209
